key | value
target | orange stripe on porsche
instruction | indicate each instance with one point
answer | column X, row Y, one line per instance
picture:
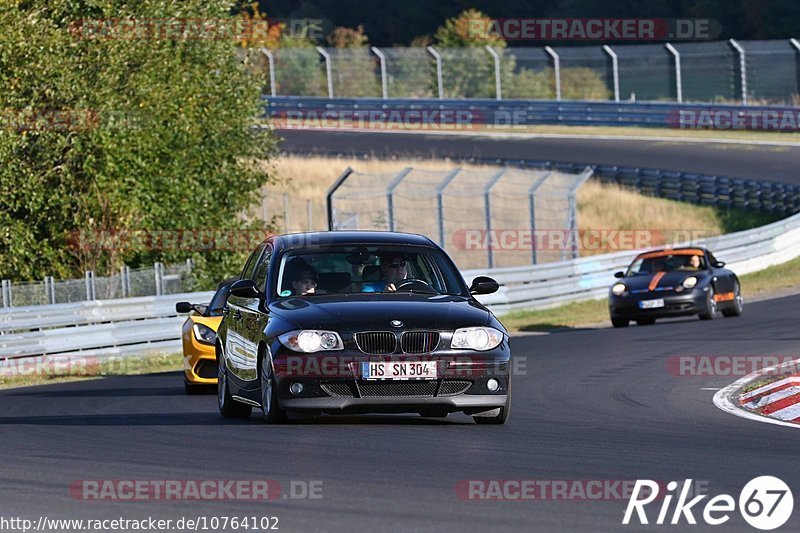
column 665, row 253
column 723, row 297
column 656, row 279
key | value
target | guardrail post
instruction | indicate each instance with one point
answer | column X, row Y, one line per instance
column 440, row 203
column 6, row 284
column 158, row 272
column 271, row 61
column 50, row 289
column 742, row 69
column 532, row 210
column 678, row 73
column 328, row 69
column 384, row 83
column 331, row 191
column 90, row 286
column 497, row 83
column 390, row 194
column 487, row 190
column 614, row 70
column 125, row 281
column 556, row 70
column 439, row 80
column 796, row 45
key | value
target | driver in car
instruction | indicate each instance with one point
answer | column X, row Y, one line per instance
column 394, row 269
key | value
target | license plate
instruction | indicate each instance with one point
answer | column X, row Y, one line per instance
column 399, row 370
column 651, row 304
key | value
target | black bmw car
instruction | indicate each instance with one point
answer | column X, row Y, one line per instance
column 674, row 282
column 355, row 322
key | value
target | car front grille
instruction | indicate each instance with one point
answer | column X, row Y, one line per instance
column 419, row 341
column 376, row 342
column 396, row 389
column 206, row 369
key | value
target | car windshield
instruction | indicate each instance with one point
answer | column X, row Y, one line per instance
column 363, row 269
column 666, row 262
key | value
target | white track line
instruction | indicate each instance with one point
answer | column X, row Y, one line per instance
column 512, row 135
column 722, row 399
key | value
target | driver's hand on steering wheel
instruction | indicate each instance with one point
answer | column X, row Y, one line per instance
column 390, row 287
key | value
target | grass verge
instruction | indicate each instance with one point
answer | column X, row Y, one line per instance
column 24, row 373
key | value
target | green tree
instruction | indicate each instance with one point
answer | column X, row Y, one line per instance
column 112, row 127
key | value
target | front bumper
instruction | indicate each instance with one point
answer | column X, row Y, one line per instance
column 675, row 304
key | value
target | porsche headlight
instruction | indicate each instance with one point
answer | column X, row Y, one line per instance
column 204, row 334
column 618, row 289
column 311, row 340
column 479, row 339
column 689, row 282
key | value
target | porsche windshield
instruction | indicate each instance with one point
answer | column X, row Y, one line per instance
column 666, row 262
column 367, row 269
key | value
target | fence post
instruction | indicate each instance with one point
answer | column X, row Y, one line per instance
column 328, row 69
column 390, row 193
column 271, row 60
column 678, row 74
column 796, row 45
column 556, row 70
column 439, row 80
column 50, row 289
column 440, row 203
column 158, row 271
column 487, row 190
column 384, row 83
column 125, row 280
column 614, row 70
column 90, row 287
column 498, row 88
column 742, row 69
column 532, row 210
column 6, row 284
column 329, row 196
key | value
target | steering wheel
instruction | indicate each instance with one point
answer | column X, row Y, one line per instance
column 426, row 287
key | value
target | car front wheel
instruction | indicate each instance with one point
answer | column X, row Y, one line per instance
column 711, row 306
column 269, row 395
column 502, row 416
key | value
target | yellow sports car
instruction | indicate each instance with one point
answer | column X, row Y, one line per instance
column 198, row 338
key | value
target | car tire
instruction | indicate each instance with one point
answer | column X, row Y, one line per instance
column 646, row 321
column 502, row 417
column 737, row 306
column 711, row 306
column 268, row 393
column 619, row 322
column 228, row 407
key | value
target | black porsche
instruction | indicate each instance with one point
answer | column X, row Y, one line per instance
column 355, row 322
column 674, row 282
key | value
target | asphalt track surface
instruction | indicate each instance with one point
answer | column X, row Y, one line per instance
column 587, row 405
column 773, row 163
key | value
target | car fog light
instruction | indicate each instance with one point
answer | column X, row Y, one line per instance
column 492, row 385
column 296, row 388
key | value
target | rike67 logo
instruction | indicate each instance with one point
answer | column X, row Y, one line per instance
column 765, row 503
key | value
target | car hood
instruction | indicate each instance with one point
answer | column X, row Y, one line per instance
column 375, row 312
column 666, row 280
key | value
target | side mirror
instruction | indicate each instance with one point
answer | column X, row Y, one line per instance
column 483, row 285
column 245, row 288
column 183, row 307
column 719, row 264
column 619, row 274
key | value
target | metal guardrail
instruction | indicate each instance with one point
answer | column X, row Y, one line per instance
column 470, row 114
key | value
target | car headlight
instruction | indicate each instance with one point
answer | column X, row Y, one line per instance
column 479, row 339
column 311, row 340
column 204, row 334
column 618, row 289
column 689, row 282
